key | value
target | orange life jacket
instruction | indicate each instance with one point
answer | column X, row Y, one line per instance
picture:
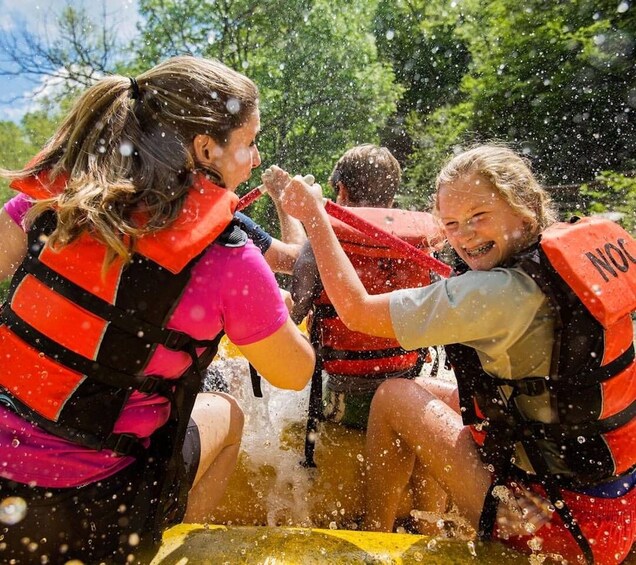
column 587, row 269
column 76, row 338
column 381, row 269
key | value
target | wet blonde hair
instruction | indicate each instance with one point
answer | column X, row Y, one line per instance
column 510, row 174
column 126, row 147
column 371, row 174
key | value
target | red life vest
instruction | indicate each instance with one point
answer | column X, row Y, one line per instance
column 587, row 270
column 381, row 269
column 76, row 337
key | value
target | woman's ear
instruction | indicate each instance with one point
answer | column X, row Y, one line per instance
column 203, row 147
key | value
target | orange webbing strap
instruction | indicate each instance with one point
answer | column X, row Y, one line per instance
column 372, row 230
column 388, row 239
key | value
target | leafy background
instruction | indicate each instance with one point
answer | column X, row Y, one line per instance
column 556, row 80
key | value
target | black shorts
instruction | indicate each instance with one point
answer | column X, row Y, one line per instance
column 101, row 520
column 191, row 452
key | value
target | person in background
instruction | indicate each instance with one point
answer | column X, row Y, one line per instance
column 127, row 266
column 365, row 180
column 535, row 444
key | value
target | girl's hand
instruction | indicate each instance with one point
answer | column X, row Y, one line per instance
column 521, row 512
column 301, row 200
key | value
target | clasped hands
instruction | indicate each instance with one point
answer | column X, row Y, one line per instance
column 300, row 196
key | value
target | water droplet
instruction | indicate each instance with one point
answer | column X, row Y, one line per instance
column 12, row 510
column 471, row 548
column 126, row 149
column 233, row 105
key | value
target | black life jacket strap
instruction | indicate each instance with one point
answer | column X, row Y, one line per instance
column 255, row 379
column 465, row 363
column 173, row 492
column 314, row 415
column 608, row 371
column 92, row 369
column 125, row 321
column 533, row 386
column 314, row 411
column 500, row 476
column 488, row 516
column 121, row 444
column 559, row 431
column 555, row 496
column 331, row 354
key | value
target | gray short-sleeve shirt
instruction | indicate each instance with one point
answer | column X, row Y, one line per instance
column 500, row 313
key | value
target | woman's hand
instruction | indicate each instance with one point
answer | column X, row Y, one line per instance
column 287, row 299
column 302, row 200
column 274, row 181
column 521, row 512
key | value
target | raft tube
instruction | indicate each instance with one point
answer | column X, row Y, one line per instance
column 217, row 545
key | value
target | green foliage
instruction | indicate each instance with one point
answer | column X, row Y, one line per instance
column 435, row 134
column 15, row 151
column 612, row 193
column 556, row 80
column 418, row 38
column 4, row 290
column 19, row 143
column 323, row 87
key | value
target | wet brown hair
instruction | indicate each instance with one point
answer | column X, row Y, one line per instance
column 126, row 146
column 371, row 174
column 510, row 174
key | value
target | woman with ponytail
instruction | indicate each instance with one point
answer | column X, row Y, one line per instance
column 127, row 266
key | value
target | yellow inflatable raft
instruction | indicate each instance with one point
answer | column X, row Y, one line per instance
column 275, row 511
column 217, row 545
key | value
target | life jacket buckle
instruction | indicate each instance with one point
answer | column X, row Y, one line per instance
column 532, row 387
column 149, row 385
column 7, row 402
column 176, row 340
column 125, row 444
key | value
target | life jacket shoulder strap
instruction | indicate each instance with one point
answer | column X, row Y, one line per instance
column 125, row 321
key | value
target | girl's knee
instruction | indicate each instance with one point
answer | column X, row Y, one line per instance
column 392, row 390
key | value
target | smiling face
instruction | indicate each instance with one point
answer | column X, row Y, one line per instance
column 480, row 224
column 235, row 160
